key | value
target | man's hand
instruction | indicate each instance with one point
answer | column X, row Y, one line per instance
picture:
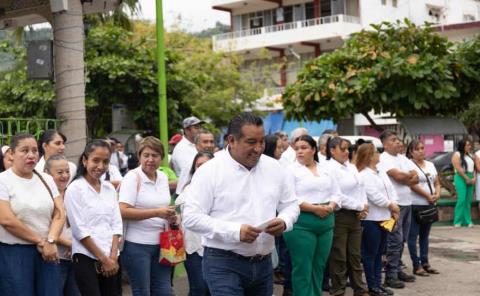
column 248, row 233
column 276, row 227
column 414, row 179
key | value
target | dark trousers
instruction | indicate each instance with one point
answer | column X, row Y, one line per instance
column 228, row 274
column 197, row 285
column 395, row 241
column 422, row 232
column 67, row 279
column 92, row 283
column 23, row 272
column 345, row 256
column 374, row 239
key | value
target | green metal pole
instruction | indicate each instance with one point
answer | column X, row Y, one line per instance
column 162, row 83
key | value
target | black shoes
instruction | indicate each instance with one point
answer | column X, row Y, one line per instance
column 394, row 283
column 376, row 292
column 386, row 291
column 406, row 277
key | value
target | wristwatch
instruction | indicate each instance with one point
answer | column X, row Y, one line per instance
column 51, row 240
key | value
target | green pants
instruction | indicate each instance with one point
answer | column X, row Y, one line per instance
column 309, row 245
column 346, row 257
column 464, row 200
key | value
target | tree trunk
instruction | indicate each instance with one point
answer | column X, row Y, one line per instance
column 69, row 38
column 372, row 122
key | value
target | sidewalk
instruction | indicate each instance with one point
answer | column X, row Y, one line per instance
column 455, row 252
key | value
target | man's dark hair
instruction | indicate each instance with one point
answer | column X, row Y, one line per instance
column 387, row 134
column 240, row 120
column 329, row 132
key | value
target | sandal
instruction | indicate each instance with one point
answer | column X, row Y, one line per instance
column 420, row 271
column 429, row 269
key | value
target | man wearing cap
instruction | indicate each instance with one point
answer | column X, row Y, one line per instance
column 185, row 150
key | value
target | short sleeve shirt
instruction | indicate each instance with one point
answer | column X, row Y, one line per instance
column 403, row 164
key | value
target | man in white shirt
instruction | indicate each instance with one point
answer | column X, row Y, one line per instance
column 233, row 202
column 204, row 142
column 401, row 172
column 288, row 156
column 185, row 150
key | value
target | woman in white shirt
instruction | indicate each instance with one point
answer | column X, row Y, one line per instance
column 52, row 142
column 57, row 167
column 31, row 219
column 310, row 240
column 424, row 194
column 94, row 216
column 193, row 241
column 382, row 202
column 347, row 234
column 464, row 181
column 144, row 204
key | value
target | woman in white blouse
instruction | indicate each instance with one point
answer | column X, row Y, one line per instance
column 347, row 234
column 52, row 142
column 144, row 204
column 310, row 240
column 31, row 219
column 382, row 204
column 193, row 241
column 424, row 194
column 94, row 216
column 464, row 181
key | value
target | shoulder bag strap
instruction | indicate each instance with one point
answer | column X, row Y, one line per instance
column 428, row 180
column 46, row 186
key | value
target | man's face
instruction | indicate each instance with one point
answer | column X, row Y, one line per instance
column 206, row 142
column 390, row 144
column 192, row 131
column 248, row 148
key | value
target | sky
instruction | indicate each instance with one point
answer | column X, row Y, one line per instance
column 195, row 15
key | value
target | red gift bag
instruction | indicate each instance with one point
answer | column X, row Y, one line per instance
column 172, row 248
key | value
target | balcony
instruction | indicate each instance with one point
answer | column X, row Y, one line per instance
column 312, row 30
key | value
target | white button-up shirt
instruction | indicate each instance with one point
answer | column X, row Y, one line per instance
column 140, row 192
column 380, row 194
column 288, row 157
column 403, row 164
column 92, row 214
column 223, row 195
column 314, row 189
column 183, row 155
column 353, row 193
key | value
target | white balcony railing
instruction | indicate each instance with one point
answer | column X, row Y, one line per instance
column 339, row 18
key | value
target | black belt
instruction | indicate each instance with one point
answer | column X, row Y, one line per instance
column 254, row 258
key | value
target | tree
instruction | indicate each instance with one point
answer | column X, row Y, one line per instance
column 121, row 68
column 397, row 68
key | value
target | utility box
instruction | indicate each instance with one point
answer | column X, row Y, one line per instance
column 121, row 118
column 40, row 59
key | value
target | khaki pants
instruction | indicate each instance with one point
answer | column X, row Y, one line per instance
column 345, row 256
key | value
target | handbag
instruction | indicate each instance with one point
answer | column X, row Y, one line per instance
column 172, row 247
column 429, row 213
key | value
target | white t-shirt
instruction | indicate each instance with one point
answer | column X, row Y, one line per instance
column 30, row 202
column 403, row 164
column 146, row 195
column 469, row 161
column 183, row 155
column 431, row 172
column 40, row 167
column 114, row 173
column 288, row 157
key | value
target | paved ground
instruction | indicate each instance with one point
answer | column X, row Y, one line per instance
column 454, row 252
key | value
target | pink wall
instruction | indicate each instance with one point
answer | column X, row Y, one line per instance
column 433, row 143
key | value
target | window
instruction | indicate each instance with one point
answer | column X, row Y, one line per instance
column 309, row 10
column 434, row 15
column 468, row 18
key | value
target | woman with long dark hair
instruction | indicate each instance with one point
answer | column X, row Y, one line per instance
column 464, row 181
column 273, row 146
column 94, row 216
column 193, row 241
column 425, row 193
column 345, row 257
column 310, row 240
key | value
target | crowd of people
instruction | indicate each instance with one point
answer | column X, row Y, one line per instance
column 311, row 215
